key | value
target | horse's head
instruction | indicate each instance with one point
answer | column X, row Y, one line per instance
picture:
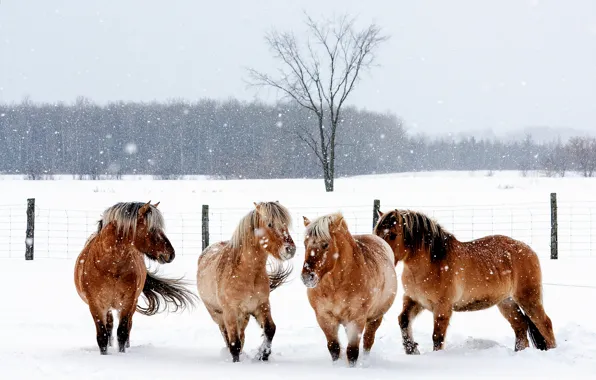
column 321, row 245
column 150, row 237
column 390, row 228
column 272, row 231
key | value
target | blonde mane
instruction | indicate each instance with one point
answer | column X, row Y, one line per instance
column 268, row 212
column 125, row 215
column 319, row 227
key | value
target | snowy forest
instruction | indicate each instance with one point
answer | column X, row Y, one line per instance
column 232, row 139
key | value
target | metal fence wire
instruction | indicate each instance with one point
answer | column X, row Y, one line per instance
column 61, row 234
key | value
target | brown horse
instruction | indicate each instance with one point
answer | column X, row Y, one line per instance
column 443, row 275
column 351, row 281
column 110, row 272
column 232, row 276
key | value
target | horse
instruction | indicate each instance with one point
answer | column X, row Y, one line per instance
column 110, row 272
column 232, row 277
column 351, row 281
column 444, row 275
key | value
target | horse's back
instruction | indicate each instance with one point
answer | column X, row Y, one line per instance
column 502, row 250
column 374, row 246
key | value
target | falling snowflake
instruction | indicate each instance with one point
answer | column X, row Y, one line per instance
column 131, row 148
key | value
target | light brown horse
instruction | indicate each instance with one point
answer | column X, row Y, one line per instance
column 110, row 272
column 443, row 275
column 351, row 281
column 232, row 276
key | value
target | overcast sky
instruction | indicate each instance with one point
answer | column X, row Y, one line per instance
column 449, row 65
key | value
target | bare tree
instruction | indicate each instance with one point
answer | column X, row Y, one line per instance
column 582, row 150
column 319, row 75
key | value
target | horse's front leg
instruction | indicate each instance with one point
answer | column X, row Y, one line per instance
column 263, row 317
column 231, row 316
column 354, row 332
column 329, row 324
column 411, row 309
column 442, row 314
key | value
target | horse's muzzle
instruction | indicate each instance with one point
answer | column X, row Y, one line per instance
column 310, row 279
column 167, row 258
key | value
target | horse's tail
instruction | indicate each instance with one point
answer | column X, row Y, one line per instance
column 162, row 294
column 278, row 274
column 538, row 340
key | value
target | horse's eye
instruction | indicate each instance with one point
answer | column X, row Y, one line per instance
column 325, row 245
column 392, row 236
column 270, row 225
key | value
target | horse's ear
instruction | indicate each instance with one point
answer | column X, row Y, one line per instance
column 380, row 214
column 145, row 208
column 306, row 221
column 157, row 204
column 336, row 222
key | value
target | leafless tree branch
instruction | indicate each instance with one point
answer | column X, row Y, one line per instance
column 321, row 75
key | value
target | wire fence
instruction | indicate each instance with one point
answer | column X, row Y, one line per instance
column 61, row 234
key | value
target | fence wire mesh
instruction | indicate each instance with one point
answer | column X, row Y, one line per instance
column 61, row 234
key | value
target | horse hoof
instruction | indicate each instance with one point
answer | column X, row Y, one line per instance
column 412, row 349
column 235, row 359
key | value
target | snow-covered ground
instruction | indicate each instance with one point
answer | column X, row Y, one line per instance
column 47, row 332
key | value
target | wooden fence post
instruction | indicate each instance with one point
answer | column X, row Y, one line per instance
column 554, row 237
column 376, row 209
column 30, row 233
column 205, row 226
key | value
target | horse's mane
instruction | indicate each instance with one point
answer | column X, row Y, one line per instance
column 269, row 212
column 125, row 214
column 420, row 231
column 319, row 227
column 245, row 232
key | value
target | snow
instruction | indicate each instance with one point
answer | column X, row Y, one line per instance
column 47, row 331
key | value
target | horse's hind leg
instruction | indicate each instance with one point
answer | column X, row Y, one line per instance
column 369, row 333
column 411, row 309
column 517, row 320
column 99, row 318
column 541, row 331
column 263, row 317
column 124, row 327
column 110, row 327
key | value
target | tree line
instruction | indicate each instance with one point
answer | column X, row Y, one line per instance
column 233, row 139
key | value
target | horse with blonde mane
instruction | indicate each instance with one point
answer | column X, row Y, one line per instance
column 232, row 277
column 443, row 275
column 110, row 272
column 351, row 281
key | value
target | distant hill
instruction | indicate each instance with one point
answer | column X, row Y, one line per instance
column 539, row 134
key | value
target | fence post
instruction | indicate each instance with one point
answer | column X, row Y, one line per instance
column 29, row 236
column 554, row 237
column 376, row 209
column 205, row 226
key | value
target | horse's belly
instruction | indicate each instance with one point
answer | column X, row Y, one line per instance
column 476, row 304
